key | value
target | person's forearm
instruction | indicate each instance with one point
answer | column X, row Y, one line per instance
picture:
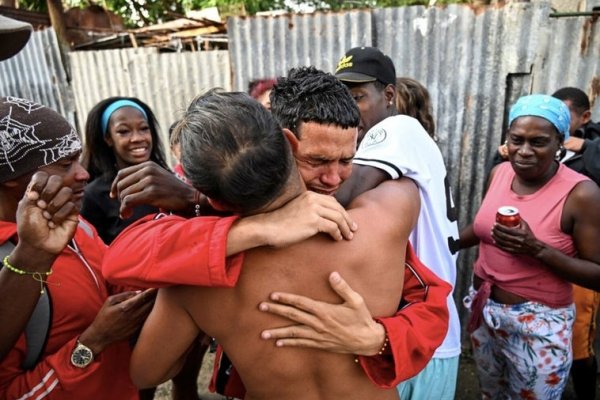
column 183, row 203
column 245, row 234
column 19, row 293
column 467, row 237
column 53, row 376
column 155, row 376
column 96, row 341
column 377, row 341
column 576, row 270
column 363, row 179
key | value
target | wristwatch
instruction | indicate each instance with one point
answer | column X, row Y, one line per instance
column 82, row 356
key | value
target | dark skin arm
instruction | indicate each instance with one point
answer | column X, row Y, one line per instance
column 467, row 237
column 119, row 318
column 363, row 178
column 46, row 222
column 149, row 183
column 41, row 239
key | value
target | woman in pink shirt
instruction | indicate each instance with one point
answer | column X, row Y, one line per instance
column 521, row 302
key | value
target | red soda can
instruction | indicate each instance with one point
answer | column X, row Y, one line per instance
column 508, row 216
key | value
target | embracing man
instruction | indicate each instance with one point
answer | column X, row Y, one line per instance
column 311, row 106
column 235, row 153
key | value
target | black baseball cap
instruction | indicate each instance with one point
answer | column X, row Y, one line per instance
column 14, row 35
column 366, row 64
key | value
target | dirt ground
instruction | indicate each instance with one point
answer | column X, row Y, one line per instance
column 467, row 386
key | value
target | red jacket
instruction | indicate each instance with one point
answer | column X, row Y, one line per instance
column 417, row 329
column 165, row 251
column 172, row 250
column 77, row 292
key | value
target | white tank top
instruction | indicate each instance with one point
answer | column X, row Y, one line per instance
column 400, row 146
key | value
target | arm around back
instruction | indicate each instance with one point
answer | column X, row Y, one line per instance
column 173, row 250
column 363, row 178
column 416, row 330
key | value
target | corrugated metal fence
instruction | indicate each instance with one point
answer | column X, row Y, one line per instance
column 474, row 61
column 167, row 82
column 37, row 73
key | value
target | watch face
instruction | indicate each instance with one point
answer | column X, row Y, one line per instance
column 81, row 356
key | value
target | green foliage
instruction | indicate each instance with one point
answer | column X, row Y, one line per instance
column 137, row 13
column 34, row 5
column 251, row 7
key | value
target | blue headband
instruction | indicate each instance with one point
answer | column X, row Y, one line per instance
column 114, row 107
column 544, row 106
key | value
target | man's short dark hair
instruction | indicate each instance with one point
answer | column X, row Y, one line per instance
column 233, row 151
column 310, row 95
column 579, row 100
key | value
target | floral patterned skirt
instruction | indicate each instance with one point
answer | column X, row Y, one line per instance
column 523, row 351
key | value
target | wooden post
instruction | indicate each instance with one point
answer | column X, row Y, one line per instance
column 57, row 19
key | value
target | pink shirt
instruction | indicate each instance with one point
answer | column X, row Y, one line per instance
column 542, row 210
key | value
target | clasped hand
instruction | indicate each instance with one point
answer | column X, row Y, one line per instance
column 516, row 240
column 119, row 318
column 149, row 183
column 46, row 215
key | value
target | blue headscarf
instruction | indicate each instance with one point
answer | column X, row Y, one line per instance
column 541, row 105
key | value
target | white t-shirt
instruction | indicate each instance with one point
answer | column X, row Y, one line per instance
column 400, row 146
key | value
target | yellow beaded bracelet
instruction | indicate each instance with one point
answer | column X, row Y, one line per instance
column 383, row 347
column 37, row 276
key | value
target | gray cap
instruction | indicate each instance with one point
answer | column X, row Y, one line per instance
column 14, row 35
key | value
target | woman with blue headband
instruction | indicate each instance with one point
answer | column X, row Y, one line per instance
column 119, row 132
column 521, row 303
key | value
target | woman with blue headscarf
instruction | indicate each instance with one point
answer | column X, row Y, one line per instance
column 522, row 304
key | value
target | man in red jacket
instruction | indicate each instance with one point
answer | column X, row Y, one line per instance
column 51, row 269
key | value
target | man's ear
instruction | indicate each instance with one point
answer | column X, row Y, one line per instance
column 292, row 139
column 586, row 116
column 390, row 95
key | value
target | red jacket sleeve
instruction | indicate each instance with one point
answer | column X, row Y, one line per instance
column 171, row 250
column 54, row 376
column 416, row 330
